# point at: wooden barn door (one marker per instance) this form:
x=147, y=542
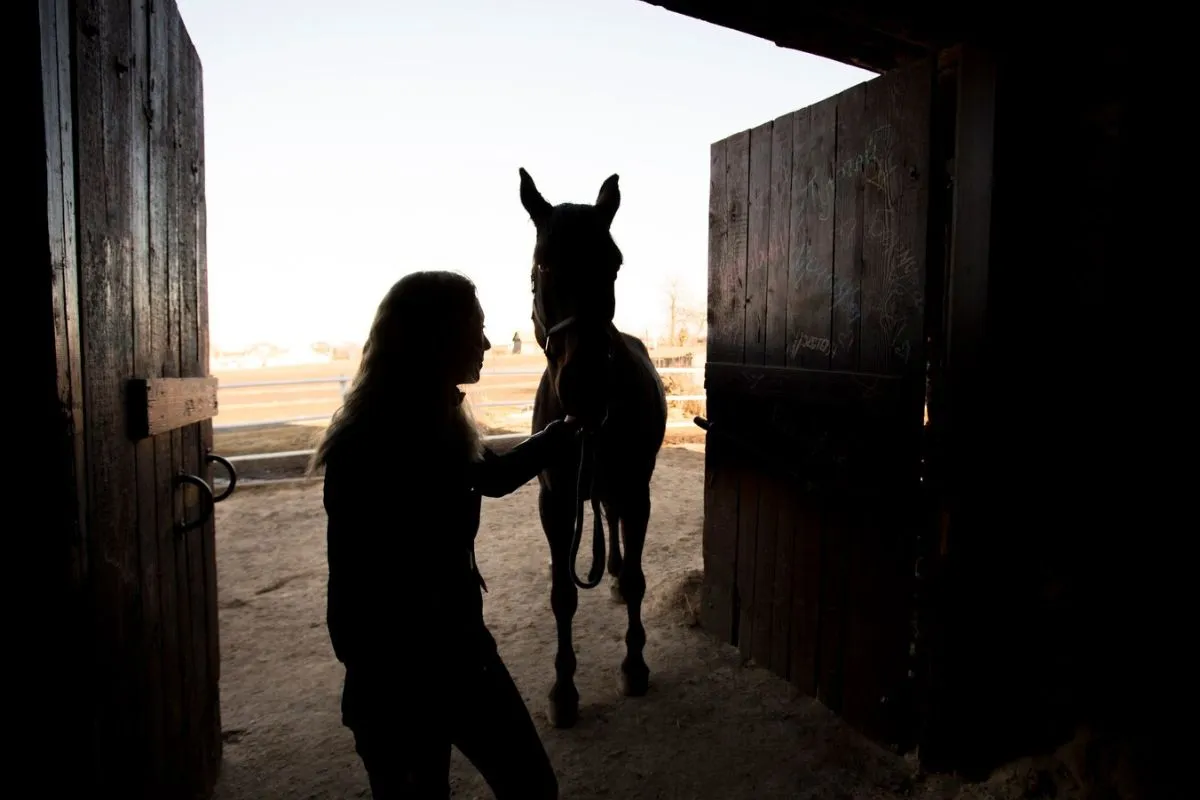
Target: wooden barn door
x=817, y=258
x=122, y=97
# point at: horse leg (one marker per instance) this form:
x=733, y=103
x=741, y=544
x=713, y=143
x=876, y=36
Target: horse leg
x=614, y=552
x=557, y=518
x=635, y=518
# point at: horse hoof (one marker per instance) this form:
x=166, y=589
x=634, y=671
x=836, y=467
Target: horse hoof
x=635, y=683
x=614, y=590
x=563, y=712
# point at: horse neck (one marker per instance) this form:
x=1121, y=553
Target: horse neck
x=616, y=342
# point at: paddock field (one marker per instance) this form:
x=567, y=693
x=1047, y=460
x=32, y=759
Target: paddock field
x=261, y=404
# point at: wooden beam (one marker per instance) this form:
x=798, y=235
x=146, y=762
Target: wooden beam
x=160, y=405
x=807, y=387
x=864, y=34
x=971, y=237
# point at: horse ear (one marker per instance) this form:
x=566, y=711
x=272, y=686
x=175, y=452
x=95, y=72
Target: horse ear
x=539, y=210
x=609, y=199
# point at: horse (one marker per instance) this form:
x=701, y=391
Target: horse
x=606, y=379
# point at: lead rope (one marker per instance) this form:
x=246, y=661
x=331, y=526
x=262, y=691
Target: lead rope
x=596, y=574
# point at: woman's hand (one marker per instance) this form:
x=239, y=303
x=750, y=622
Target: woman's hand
x=572, y=427
x=566, y=428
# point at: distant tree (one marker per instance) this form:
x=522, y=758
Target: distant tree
x=682, y=312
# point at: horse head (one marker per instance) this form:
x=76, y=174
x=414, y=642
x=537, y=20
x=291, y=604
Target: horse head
x=573, y=279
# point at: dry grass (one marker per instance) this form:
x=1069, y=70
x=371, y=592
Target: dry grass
x=277, y=439
x=262, y=403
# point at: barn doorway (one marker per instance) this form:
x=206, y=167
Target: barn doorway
x=706, y=686
x=272, y=573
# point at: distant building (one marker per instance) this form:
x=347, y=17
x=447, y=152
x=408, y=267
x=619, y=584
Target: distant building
x=346, y=352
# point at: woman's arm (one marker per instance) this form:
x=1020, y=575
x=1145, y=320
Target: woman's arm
x=497, y=476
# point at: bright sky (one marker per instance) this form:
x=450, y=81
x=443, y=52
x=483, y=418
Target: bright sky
x=348, y=144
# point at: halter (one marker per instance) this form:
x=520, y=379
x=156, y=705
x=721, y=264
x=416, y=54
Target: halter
x=584, y=478
x=561, y=326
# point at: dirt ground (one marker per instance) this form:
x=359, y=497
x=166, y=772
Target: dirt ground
x=711, y=726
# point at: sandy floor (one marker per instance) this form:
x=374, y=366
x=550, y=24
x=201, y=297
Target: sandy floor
x=710, y=727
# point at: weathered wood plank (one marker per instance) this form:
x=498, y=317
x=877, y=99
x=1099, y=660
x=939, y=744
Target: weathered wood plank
x=161, y=405
x=727, y=294
x=60, y=164
x=837, y=524
x=172, y=366
x=810, y=272
x=763, y=576
x=754, y=304
x=206, y=446
x=895, y=198
x=104, y=106
x=733, y=319
x=179, y=239
x=165, y=364
x=187, y=165
x=720, y=536
x=779, y=241
x=779, y=495
x=151, y=726
x=61, y=226
x=69, y=716
x=837, y=528
x=805, y=521
x=758, y=232
x=720, y=490
x=775, y=562
x=851, y=157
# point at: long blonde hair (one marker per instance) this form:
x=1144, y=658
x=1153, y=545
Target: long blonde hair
x=403, y=372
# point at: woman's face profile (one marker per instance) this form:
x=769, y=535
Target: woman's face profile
x=474, y=344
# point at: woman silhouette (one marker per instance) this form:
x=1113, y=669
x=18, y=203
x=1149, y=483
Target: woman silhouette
x=404, y=473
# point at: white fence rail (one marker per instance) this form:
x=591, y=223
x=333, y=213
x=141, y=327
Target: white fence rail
x=343, y=382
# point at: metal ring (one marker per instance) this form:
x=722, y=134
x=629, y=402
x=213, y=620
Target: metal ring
x=206, y=501
x=213, y=458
